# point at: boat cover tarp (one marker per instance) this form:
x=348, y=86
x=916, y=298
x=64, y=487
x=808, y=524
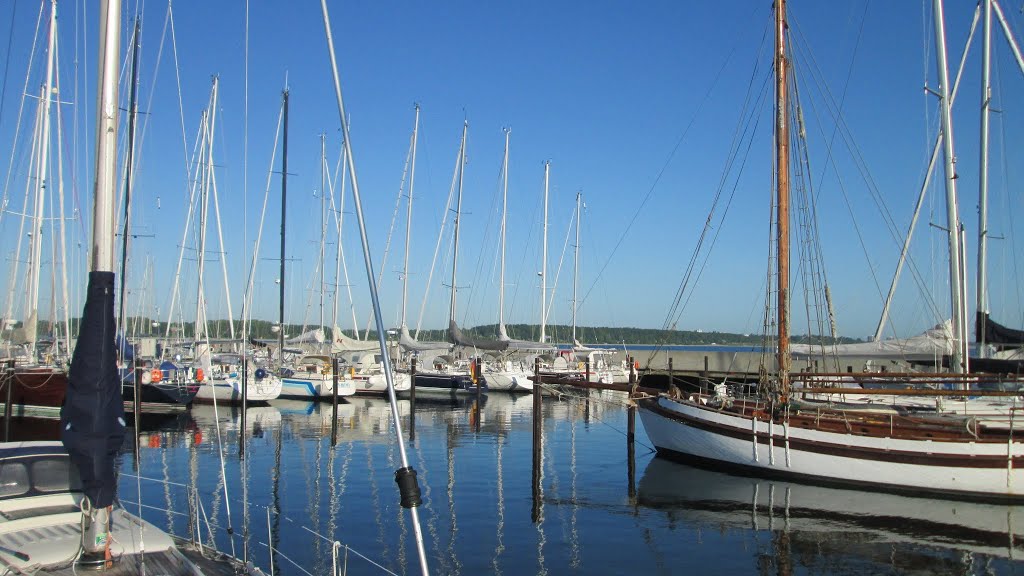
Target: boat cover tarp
x=456, y=336
x=342, y=343
x=410, y=344
x=92, y=418
x=934, y=342
x=995, y=333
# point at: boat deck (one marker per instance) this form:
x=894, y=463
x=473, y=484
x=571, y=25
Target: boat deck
x=170, y=562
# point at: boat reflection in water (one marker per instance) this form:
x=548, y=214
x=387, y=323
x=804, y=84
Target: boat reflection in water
x=829, y=526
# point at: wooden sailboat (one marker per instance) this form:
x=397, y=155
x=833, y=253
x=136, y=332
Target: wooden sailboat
x=38, y=378
x=781, y=432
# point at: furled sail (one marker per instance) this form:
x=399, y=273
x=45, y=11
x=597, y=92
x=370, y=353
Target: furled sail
x=521, y=345
x=315, y=336
x=456, y=336
x=92, y=418
x=410, y=344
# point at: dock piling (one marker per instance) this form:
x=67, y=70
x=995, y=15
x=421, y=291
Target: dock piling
x=538, y=430
x=412, y=399
x=334, y=402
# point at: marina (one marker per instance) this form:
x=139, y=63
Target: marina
x=478, y=501
x=179, y=396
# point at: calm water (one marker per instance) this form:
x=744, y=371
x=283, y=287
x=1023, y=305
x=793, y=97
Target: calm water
x=475, y=474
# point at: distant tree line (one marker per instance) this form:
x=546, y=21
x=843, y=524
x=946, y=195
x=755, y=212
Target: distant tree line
x=556, y=333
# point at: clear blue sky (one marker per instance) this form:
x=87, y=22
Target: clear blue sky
x=625, y=99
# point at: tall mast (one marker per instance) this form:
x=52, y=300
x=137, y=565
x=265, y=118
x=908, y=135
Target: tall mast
x=504, y=209
x=458, y=216
x=284, y=207
x=952, y=213
x=42, y=181
x=576, y=263
x=408, y=216
x=128, y=174
x=782, y=185
x=544, y=261
x=323, y=220
x=986, y=99
x=204, y=212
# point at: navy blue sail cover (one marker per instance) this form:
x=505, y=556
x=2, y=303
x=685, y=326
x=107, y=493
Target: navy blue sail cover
x=92, y=418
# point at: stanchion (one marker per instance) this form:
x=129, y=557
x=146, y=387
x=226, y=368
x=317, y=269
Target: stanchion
x=334, y=401
x=538, y=430
x=412, y=400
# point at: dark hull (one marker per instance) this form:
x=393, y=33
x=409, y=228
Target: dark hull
x=161, y=393
x=38, y=387
x=441, y=383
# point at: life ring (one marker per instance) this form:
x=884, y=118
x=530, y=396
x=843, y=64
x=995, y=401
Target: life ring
x=156, y=375
x=636, y=364
x=199, y=375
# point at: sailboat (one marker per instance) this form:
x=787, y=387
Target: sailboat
x=58, y=501
x=224, y=377
x=40, y=375
x=447, y=375
x=503, y=371
x=311, y=376
x=777, y=432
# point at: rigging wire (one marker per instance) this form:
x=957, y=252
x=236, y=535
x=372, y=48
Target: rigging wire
x=661, y=173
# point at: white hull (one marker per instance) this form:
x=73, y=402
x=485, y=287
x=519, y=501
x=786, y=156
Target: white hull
x=315, y=386
x=378, y=384
x=230, y=390
x=984, y=469
x=509, y=380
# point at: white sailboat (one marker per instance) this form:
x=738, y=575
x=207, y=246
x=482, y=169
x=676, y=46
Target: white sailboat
x=219, y=377
x=776, y=433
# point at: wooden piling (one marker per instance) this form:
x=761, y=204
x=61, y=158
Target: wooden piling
x=334, y=402
x=477, y=376
x=412, y=399
x=631, y=448
x=587, y=364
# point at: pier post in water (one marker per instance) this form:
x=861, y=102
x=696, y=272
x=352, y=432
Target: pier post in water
x=587, y=367
x=477, y=373
x=538, y=430
x=334, y=402
x=631, y=447
x=412, y=399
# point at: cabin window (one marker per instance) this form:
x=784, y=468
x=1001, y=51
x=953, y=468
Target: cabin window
x=54, y=475
x=13, y=479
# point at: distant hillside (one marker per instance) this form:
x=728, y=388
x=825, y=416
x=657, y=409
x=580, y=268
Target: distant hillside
x=558, y=333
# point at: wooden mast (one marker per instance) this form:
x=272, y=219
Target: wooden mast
x=782, y=191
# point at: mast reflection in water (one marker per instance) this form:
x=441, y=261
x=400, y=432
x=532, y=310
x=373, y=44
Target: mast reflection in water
x=474, y=465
